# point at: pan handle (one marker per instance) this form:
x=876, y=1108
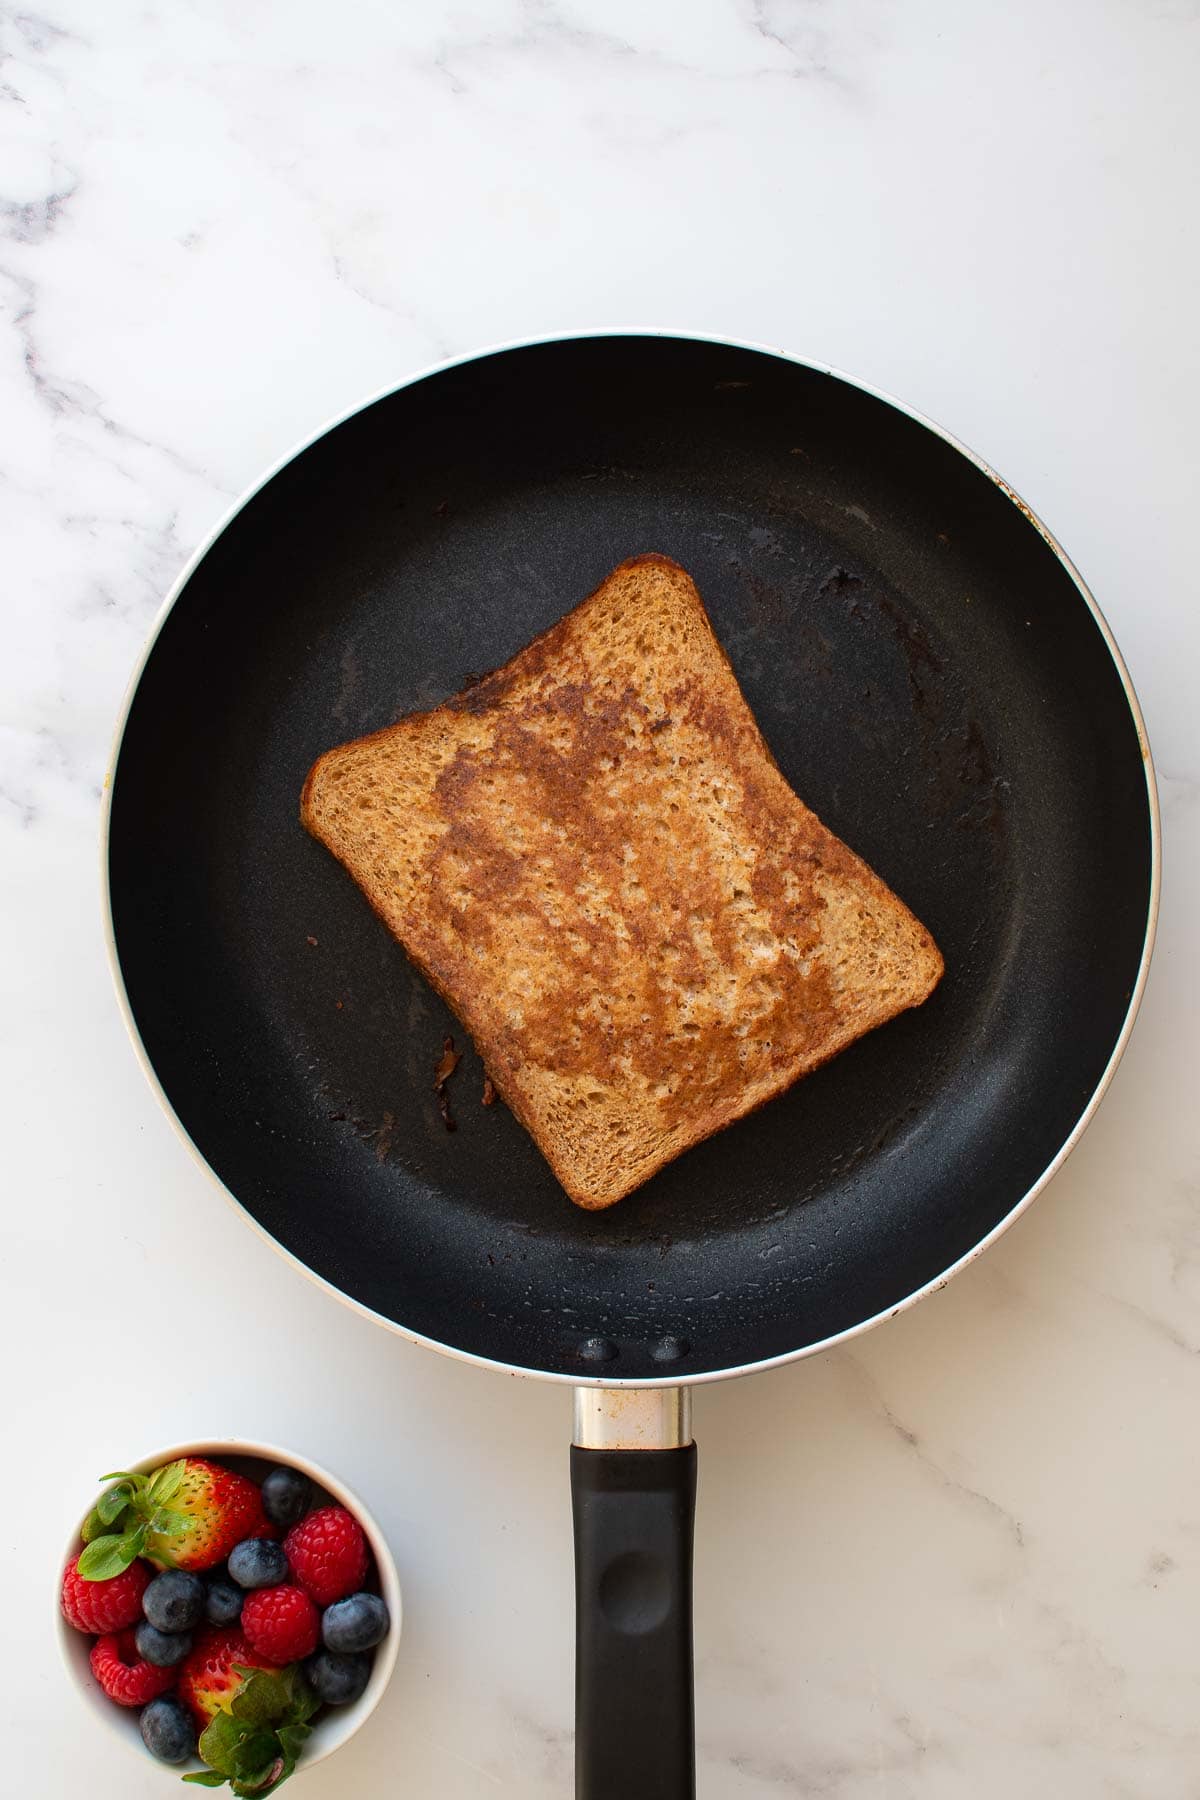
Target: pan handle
x=633, y=1491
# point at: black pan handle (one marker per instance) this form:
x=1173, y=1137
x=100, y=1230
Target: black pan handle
x=634, y=1510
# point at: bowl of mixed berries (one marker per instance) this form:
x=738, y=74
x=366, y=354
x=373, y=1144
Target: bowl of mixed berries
x=232, y=1609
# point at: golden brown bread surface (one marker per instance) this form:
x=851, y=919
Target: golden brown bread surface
x=593, y=857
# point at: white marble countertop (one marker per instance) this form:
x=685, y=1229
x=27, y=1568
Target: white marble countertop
x=961, y=1556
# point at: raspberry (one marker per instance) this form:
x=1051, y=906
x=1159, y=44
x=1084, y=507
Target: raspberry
x=103, y=1606
x=281, y=1623
x=123, y=1675
x=328, y=1554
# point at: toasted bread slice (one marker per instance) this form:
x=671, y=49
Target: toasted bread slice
x=593, y=857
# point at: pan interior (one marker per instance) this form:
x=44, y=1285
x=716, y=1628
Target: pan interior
x=932, y=683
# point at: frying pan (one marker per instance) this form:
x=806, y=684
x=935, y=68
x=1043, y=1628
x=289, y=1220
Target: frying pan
x=934, y=680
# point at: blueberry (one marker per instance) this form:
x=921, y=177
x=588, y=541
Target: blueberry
x=337, y=1680
x=167, y=1730
x=258, y=1562
x=174, y=1601
x=355, y=1624
x=223, y=1600
x=162, y=1648
x=286, y=1494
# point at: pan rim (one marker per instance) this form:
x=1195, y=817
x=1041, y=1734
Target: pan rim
x=936, y=1283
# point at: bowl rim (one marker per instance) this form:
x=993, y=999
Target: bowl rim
x=346, y=1720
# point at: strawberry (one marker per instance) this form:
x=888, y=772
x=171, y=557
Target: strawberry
x=282, y=1623
x=208, y=1679
x=253, y=1732
x=187, y=1515
x=123, y=1674
x=103, y=1606
x=328, y=1554
x=219, y=1510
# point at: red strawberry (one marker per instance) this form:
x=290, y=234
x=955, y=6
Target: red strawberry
x=328, y=1554
x=187, y=1515
x=282, y=1623
x=103, y=1605
x=123, y=1675
x=221, y=1509
x=208, y=1681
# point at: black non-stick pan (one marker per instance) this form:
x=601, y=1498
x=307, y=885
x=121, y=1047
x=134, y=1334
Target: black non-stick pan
x=935, y=682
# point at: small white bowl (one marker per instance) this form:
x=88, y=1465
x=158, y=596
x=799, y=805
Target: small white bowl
x=338, y=1723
